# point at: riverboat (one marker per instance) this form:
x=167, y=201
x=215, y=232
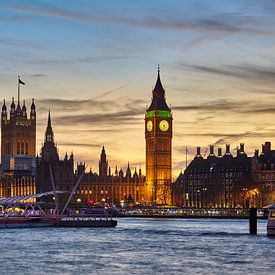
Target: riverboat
x=17, y=214
x=20, y=215
x=271, y=222
x=30, y=215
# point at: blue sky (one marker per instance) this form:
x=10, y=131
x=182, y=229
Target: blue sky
x=93, y=63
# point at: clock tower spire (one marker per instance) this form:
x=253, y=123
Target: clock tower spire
x=158, y=136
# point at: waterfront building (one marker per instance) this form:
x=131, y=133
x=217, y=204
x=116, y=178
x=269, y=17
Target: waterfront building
x=62, y=169
x=263, y=172
x=216, y=181
x=18, y=149
x=95, y=188
x=158, y=136
x=112, y=188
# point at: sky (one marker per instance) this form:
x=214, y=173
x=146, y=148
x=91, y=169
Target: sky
x=94, y=64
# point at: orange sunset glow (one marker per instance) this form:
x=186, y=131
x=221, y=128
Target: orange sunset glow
x=95, y=66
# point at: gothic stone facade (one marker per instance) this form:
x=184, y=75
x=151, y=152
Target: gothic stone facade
x=62, y=170
x=158, y=136
x=18, y=142
x=107, y=188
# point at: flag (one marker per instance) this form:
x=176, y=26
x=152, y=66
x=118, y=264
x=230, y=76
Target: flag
x=21, y=82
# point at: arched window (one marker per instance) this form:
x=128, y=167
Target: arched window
x=27, y=148
x=8, y=148
x=22, y=148
x=18, y=148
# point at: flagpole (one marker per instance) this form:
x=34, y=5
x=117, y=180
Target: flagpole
x=18, y=88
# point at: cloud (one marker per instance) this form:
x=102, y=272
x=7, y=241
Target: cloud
x=38, y=75
x=217, y=105
x=114, y=118
x=252, y=106
x=80, y=145
x=244, y=72
x=11, y=42
x=225, y=138
x=88, y=59
x=226, y=23
x=94, y=112
x=92, y=104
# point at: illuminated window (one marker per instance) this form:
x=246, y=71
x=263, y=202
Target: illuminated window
x=8, y=148
x=22, y=148
x=18, y=148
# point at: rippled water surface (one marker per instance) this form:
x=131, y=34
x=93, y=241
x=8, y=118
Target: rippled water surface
x=140, y=246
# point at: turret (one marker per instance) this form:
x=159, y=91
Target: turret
x=24, y=110
x=4, y=107
x=128, y=171
x=121, y=174
x=12, y=111
x=18, y=111
x=49, y=149
x=4, y=112
x=49, y=137
x=71, y=157
x=139, y=172
x=103, y=164
x=33, y=112
x=135, y=175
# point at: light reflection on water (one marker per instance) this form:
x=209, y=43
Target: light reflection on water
x=140, y=246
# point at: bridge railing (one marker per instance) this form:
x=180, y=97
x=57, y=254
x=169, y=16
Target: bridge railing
x=191, y=212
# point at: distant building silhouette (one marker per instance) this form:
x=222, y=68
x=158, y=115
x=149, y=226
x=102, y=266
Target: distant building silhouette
x=227, y=181
x=62, y=170
x=263, y=172
x=112, y=188
x=100, y=188
x=18, y=142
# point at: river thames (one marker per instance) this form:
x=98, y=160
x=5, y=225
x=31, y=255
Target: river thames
x=141, y=246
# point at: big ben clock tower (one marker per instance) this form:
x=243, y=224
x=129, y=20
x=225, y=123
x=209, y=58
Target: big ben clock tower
x=158, y=135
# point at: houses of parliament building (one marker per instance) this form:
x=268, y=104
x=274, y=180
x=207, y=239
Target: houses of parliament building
x=219, y=180
x=18, y=142
x=24, y=173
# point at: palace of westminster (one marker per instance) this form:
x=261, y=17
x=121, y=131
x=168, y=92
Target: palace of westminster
x=219, y=180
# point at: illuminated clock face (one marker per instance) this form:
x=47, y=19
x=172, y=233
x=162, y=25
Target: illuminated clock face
x=149, y=126
x=164, y=125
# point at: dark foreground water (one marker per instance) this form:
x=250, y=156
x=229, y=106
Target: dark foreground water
x=140, y=246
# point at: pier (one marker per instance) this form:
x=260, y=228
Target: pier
x=218, y=213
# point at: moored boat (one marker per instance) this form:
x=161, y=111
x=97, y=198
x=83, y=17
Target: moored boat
x=87, y=221
x=25, y=216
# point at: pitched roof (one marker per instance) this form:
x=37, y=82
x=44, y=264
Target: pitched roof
x=158, y=101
